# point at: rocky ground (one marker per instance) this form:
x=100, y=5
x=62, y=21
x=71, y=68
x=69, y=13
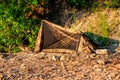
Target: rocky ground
x=59, y=66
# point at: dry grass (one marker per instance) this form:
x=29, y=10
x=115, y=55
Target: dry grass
x=105, y=23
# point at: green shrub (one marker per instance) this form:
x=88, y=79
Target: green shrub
x=15, y=29
x=94, y=4
x=113, y=4
x=79, y=3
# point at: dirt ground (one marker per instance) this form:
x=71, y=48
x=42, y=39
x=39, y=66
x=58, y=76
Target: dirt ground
x=59, y=66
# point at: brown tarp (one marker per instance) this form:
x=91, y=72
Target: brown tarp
x=54, y=38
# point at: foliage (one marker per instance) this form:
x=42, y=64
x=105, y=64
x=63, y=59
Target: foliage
x=113, y=4
x=80, y=3
x=15, y=29
x=94, y=4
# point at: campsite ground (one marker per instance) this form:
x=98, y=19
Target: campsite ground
x=28, y=65
x=60, y=66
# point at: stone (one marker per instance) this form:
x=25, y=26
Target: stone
x=40, y=55
x=101, y=62
x=92, y=56
x=98, y=69
x=55, y=57
x=1, y=76
x=101, y=51
x=117, y=66
x=62, y=65
x=0, y=57
x=62, y=58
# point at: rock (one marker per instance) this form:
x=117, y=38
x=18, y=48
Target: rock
x=1, y=76
x=98, y=69
x=97, y=66
x=22, y=66
x=101, y=51
x=117, y=66
x=0, y=57
x=62, y=58
x=101, y=62
x=92, y=56
x=40, y=55
x=55, y=57
x=67, y=57
x=62, y=65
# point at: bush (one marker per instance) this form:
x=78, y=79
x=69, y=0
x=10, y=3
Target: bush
x=90, y=4
x=15, y=29
x=113, y=4
x=78, y=3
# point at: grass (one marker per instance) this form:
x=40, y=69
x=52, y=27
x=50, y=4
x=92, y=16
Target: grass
x=103, y=26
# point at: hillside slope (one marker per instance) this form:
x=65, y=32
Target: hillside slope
x=102, y=26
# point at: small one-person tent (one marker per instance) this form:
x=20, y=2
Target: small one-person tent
x=54, y=38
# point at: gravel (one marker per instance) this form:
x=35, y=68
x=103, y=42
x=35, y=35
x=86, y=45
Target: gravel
x=59, y=66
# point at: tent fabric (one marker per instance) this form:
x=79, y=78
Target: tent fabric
x=54, y=38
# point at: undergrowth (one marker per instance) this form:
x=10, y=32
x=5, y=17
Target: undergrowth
x=94, y=4
x=15, y=29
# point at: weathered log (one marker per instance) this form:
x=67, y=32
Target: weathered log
x=39, y=40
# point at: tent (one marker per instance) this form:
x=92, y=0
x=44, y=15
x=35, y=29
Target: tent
x=54, y=38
